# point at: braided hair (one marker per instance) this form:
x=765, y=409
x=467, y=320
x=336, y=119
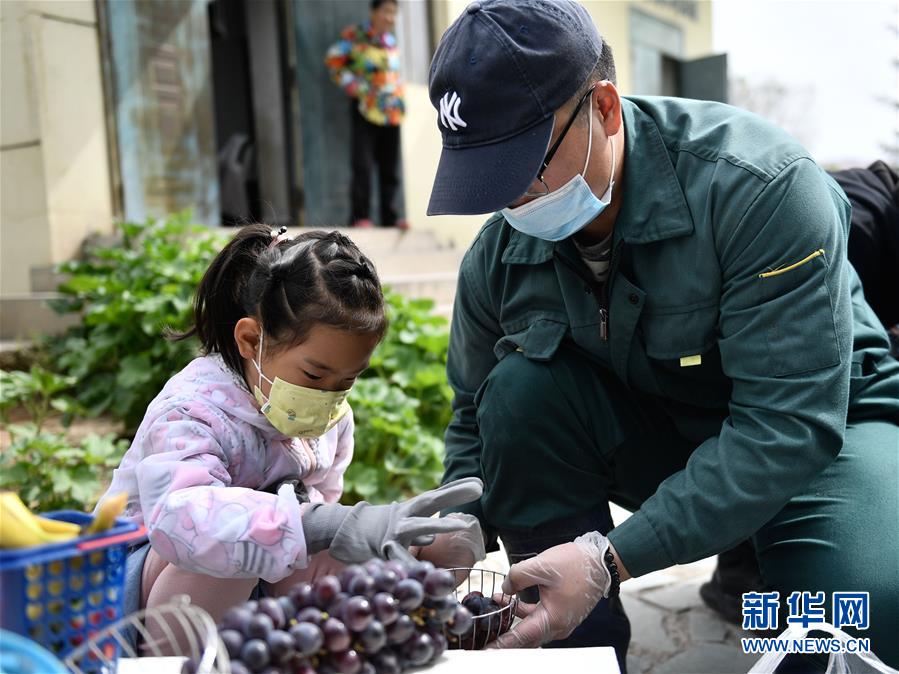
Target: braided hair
x=289, y=285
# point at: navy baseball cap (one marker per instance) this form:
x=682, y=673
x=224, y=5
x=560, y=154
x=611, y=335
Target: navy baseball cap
x=499, y=73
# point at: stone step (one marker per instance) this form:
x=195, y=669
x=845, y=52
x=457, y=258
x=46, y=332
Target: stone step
x=411, y=264
x=437, y=286
x=378, y=240
x=24, y=316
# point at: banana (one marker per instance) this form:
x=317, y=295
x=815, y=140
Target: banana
x=20, y=528
x=110, y=508
x=57, y=526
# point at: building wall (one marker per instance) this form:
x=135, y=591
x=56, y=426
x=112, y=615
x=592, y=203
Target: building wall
x=421, y=139
x=54, y=165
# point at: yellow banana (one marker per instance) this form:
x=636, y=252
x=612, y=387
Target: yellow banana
x=20, y=528
x=110, y=508
x=57, y=526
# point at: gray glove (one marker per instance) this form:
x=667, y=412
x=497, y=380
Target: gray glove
x=354, y=534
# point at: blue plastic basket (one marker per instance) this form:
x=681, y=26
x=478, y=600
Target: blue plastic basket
x=60, y=595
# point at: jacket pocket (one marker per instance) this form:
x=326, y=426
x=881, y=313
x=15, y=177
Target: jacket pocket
x=679, y=335
x=539, y=341
x=799, y=324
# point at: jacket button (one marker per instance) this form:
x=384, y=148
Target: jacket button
x=633, y=299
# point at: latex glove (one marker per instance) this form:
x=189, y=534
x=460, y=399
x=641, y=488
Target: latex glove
x=462, y=548
x=572, y=578
x=354, y=534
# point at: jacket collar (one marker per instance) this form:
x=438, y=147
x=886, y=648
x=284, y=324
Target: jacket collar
x=654, y=206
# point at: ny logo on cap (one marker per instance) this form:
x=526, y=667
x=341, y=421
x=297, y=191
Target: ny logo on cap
x=449, y=111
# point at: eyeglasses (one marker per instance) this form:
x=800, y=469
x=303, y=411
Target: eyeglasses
x=555, y=146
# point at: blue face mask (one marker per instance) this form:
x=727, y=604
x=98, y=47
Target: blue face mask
x=565, y=211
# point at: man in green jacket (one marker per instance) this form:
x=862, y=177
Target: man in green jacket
x=662, y=315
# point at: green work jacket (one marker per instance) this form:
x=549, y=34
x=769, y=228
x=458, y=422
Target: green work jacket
x=730, y=300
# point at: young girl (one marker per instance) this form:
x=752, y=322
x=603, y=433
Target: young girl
x=238, y=465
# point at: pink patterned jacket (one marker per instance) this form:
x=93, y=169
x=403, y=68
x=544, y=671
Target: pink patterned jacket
x=199, y=467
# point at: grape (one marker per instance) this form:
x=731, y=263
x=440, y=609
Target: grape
x=357, y=613
x=373, y=566
x=364, y=585
x=373, y=638
x=409, y=594
x=397, y=567
x=476, y=603
x=273, y=610
x=259, y=627
x=188, y=667
x=233, y=641
x=251, y=605
x=307, y=638
x=386, y=607
x=254, y=654
x=303, y=595
x=280, y=645
x=325, y=589
x=386, y=662
x=441, y=609
x=419, y=570
x=237, y=667
x=368, y=668
x=237, y=618
x=385, y=580
x=337, y=636
x=461, y=621
x=419, y=649
x=347, y=662
x=287, y=605
x=311, y=614
x=335, y=608
x=439, y=583
x=440, y=644
x=401, y=630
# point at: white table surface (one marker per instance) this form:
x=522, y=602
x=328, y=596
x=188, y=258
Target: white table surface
x=536, y=661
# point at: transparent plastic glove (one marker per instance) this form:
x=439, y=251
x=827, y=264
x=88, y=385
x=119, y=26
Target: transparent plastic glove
x=354, y=534
x=572, y=578
x=462, y=548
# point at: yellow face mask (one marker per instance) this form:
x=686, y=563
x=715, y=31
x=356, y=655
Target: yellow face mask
x=298, y=411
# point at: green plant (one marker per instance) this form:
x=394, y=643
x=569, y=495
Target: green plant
x=44, y=468
x=401, y=407
x=128, y=294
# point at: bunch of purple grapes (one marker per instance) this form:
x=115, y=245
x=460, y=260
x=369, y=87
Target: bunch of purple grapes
x=380, y=618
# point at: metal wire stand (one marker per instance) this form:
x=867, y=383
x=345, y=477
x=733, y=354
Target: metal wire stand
x=488, y=583
x=187, y=631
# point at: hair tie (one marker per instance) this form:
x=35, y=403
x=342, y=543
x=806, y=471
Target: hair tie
x=279, y=236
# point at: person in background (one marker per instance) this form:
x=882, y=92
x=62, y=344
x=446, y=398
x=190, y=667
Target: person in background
x=365, y=63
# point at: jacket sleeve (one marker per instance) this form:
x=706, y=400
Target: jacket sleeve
x=474, y=333
x=339, y=60
x=198, y=521
x=785, y=337
x=330, y=488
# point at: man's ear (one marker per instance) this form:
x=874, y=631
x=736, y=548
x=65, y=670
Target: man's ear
x=607, y=101
x=246, y=333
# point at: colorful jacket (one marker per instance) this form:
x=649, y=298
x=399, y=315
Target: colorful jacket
x=203, y=473
x=366, y=65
